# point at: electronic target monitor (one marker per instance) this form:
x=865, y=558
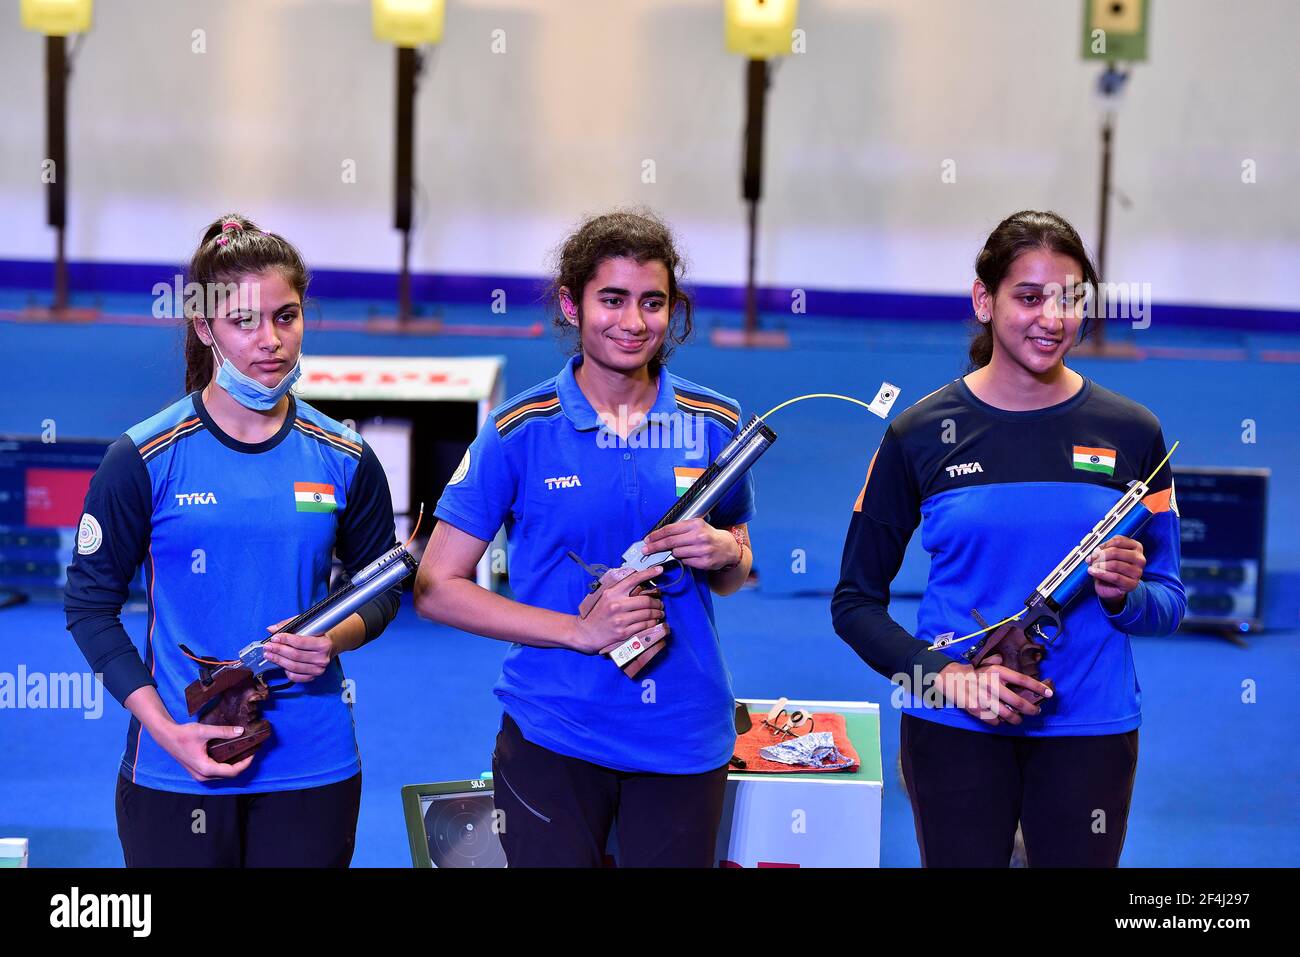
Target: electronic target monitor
x=1223, y=515
x=42, y=491
x=453, y=824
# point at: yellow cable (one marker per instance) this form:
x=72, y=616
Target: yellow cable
x=846, y=398
x=1167, y=457
x=815, y=395
x=975, y=634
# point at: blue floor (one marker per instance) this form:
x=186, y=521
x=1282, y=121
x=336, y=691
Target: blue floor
x=1218, y=778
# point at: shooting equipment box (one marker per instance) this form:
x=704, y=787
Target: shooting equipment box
x=816, y=819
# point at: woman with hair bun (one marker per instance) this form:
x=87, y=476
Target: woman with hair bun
x=233, y=499
x=1010, y=466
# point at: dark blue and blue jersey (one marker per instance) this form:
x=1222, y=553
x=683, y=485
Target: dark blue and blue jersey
x=1004, y=497
x=233, y=537
x=547, y=469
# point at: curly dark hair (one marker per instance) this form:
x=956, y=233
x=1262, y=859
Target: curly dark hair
x=233, y=246
x=636, y=234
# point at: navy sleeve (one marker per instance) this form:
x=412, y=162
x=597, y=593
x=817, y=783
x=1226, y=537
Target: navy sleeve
x=112, y=543
x=884, y=518
x=1156, y=607
x=366, y=532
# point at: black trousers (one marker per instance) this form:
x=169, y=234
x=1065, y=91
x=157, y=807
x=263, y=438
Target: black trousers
x=1070, y=795
x=310, y=827
x=559, y=810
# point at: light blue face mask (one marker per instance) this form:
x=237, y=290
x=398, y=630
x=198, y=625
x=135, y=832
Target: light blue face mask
x=247, y=391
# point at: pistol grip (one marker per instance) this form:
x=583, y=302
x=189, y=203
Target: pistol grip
x=238, y=695
x=609, y=578
x=634, y=654
x=234, y=750
x=1019, y=652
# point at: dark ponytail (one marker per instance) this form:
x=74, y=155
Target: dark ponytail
x=231, y=247
x=1017, y=234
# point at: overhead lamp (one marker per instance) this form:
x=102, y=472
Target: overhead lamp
x=760, y=29
x=408, y=23
x=757, y=30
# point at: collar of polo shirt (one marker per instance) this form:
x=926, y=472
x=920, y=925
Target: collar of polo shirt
x=581, y=412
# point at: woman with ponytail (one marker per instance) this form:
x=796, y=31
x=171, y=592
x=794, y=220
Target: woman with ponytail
x=1010, y=466
x=234, y=500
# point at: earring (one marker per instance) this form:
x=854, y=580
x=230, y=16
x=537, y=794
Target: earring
x=984, y=319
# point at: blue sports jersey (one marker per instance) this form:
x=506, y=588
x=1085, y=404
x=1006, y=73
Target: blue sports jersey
x=547, y=469
x=233, y=537
x=1004, y=496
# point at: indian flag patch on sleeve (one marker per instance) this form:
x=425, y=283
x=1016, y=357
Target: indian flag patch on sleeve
x=1094, y=460
x=314, y=497
x=685, y=478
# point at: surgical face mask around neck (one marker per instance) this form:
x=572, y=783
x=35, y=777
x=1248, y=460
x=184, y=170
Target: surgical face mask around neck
x=246, y=390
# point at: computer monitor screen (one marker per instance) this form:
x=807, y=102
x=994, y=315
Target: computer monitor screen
x=42, y=491
x=1222, y=515
x=453, y=824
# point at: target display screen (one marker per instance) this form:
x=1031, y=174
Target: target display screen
x=1223, y=521
x=460, y=832
x=42, y=490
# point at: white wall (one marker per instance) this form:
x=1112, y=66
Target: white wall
x=514, y=147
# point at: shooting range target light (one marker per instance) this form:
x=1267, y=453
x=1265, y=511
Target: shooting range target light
x=408, y=23
x=1115, y=30
x=760, y=29
x=57, y=18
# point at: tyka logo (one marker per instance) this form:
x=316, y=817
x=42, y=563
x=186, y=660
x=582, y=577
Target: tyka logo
x=564, y=481
x=966, y=468
x=196, y=498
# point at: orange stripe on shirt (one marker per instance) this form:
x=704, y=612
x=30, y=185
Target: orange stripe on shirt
x=1158, y=502
x=166, y=435
x=555, y=400
x=857, y=506
x=701, y=404
x=337, y=438
x=153, y=669
x=1085, y=450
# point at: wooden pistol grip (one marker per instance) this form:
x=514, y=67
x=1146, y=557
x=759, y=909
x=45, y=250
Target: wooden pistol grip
x=1020, y=653
x=654, y=640
x=198, y=694
x=638, y=651
x=610, y=577
x=234, y=750
x=238, y=705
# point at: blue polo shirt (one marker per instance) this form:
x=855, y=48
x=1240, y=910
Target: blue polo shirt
x=548, y=469
x=233, y=536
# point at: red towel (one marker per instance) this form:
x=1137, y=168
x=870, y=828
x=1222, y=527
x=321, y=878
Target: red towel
x=761, y=736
